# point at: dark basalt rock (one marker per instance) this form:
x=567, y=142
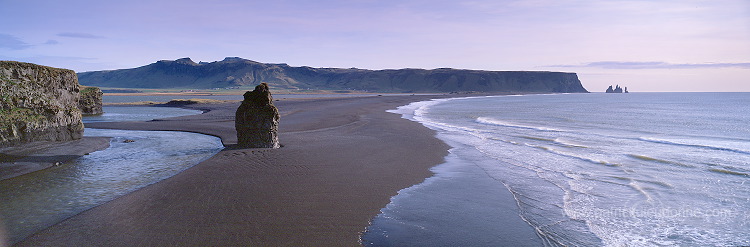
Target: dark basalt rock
x=90, y=101
x=38, y=103
x=617, y=89
x=257, y=120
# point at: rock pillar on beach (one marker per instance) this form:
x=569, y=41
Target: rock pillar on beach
x=257, y=120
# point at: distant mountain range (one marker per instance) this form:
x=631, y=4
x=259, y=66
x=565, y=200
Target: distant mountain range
x=234, y=72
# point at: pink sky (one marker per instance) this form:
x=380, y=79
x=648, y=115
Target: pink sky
x=663, y=45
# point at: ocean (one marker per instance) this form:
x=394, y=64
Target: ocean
x=638, y=169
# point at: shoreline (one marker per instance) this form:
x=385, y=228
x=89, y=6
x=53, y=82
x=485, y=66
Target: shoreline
x=337, y=169
x=457, y=184
x=34, y=156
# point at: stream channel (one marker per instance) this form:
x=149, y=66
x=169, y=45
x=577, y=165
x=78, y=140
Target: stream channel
x=32, y=202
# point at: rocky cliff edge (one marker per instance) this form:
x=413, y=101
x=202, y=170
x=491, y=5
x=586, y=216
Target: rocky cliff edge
x=38, y=103
x=237, y=72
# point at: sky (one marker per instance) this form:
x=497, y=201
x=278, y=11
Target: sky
x=646, y=45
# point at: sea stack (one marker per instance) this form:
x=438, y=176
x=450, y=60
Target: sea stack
x=257, y=120
x=617, y=89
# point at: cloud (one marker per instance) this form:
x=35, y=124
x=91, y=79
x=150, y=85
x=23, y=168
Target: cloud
x=654, y=65
x=79, y=35
x=51, y=42
x=11, y=42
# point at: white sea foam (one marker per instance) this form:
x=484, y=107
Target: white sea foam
x=492, y=121
x=742, y=147
x=638, y=176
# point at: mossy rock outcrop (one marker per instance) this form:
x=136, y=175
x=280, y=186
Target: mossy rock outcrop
x=38, y=103
x=90, y=101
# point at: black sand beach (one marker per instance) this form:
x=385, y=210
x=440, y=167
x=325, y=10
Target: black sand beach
x=31, y=157
x=342, y=160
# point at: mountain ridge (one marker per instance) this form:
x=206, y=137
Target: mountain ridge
x=235, y=71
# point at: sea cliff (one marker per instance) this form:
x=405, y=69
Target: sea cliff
x=38, y=103
x=238, y=72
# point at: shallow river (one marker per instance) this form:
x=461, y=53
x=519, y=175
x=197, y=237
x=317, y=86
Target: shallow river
x=135, y=159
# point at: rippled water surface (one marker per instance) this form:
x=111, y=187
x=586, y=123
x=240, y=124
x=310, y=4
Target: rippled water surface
x=639, y=169
x=35, y=201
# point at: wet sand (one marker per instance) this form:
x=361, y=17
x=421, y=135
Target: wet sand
x=341, y=161
x=30, y=157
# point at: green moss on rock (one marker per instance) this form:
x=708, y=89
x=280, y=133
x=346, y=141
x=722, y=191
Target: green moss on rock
x=90, y=101
x=38, y=103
